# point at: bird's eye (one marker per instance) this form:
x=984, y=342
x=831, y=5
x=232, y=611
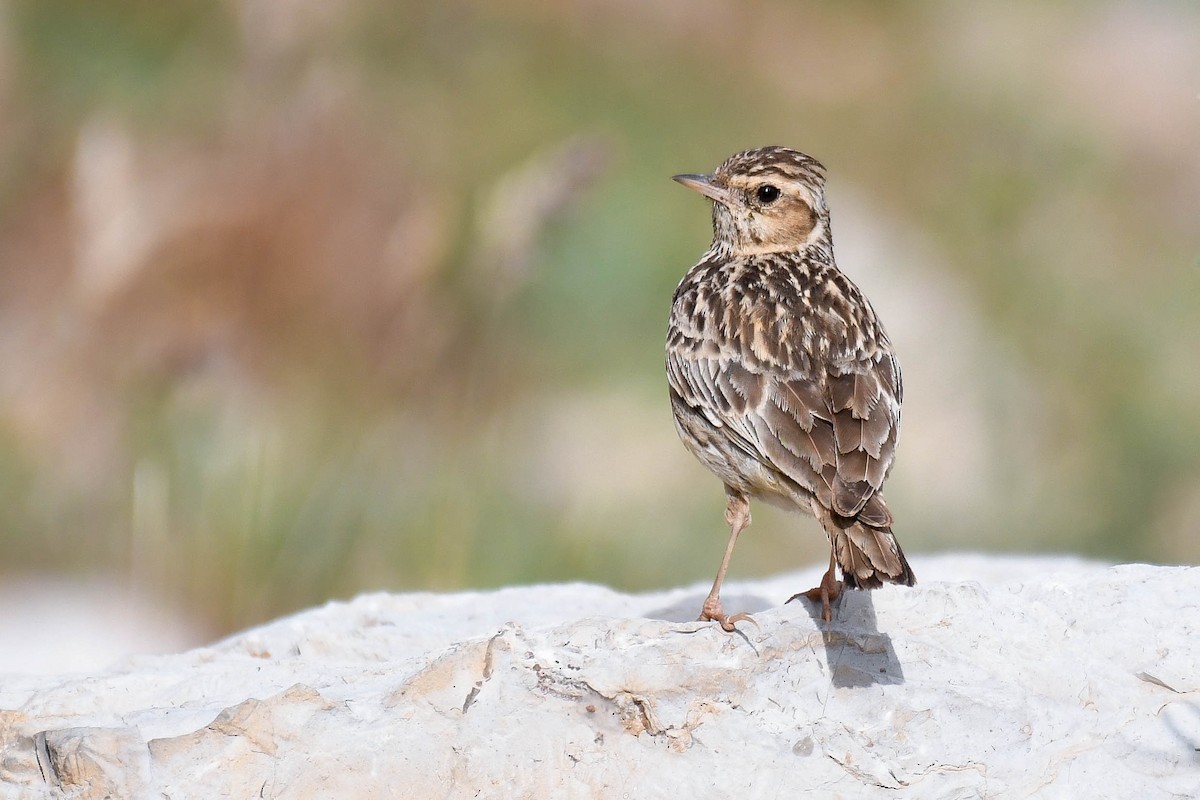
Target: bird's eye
x=767, y=194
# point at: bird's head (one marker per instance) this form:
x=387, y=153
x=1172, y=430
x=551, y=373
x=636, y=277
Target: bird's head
x=767, y=200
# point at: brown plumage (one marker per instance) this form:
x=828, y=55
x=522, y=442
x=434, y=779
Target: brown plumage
x=783, y=381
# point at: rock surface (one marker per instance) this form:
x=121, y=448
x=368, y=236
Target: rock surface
x=994, y=677
x=50, y=623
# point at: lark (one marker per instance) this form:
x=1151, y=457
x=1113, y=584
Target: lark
x=783, y=381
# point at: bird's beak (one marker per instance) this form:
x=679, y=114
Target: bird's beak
x=705, y=186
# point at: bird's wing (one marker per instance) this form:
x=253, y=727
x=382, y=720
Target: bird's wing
x=864, y=396
x=715, y=387
x=785, y=424
x=834, y=432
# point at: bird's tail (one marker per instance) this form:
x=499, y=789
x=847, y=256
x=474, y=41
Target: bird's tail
x=869, y=555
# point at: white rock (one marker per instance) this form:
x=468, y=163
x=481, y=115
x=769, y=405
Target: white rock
x=52, y=623
x=995, y=677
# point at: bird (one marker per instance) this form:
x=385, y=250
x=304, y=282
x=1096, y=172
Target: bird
x=783, y=381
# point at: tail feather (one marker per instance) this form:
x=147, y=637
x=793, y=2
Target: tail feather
x=869, y=556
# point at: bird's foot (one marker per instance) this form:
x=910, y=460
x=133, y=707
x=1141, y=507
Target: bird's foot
x=828, y=591
x=712, y=611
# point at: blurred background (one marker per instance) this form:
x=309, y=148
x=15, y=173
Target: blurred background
x=305, y=298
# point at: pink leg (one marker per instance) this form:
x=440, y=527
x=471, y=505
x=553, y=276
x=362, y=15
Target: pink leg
x=737, y=514
x=829, y=589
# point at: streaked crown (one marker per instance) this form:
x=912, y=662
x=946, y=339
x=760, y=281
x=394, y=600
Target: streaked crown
x=774, y=161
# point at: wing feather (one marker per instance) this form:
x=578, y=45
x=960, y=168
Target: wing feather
x=795, y=426
x=866, y=418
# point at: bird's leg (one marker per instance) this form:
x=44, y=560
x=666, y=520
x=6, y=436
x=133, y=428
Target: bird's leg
x=737, y=514
x=828, y=590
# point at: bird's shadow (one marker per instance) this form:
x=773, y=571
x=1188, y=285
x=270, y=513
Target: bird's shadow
x=1183, y=722
x=857, y=654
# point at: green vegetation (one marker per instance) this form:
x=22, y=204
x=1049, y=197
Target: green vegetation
x=267, y=335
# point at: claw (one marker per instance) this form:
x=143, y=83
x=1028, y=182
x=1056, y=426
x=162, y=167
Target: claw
x=712, y=611
x=830, y=589
x=730, y=623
